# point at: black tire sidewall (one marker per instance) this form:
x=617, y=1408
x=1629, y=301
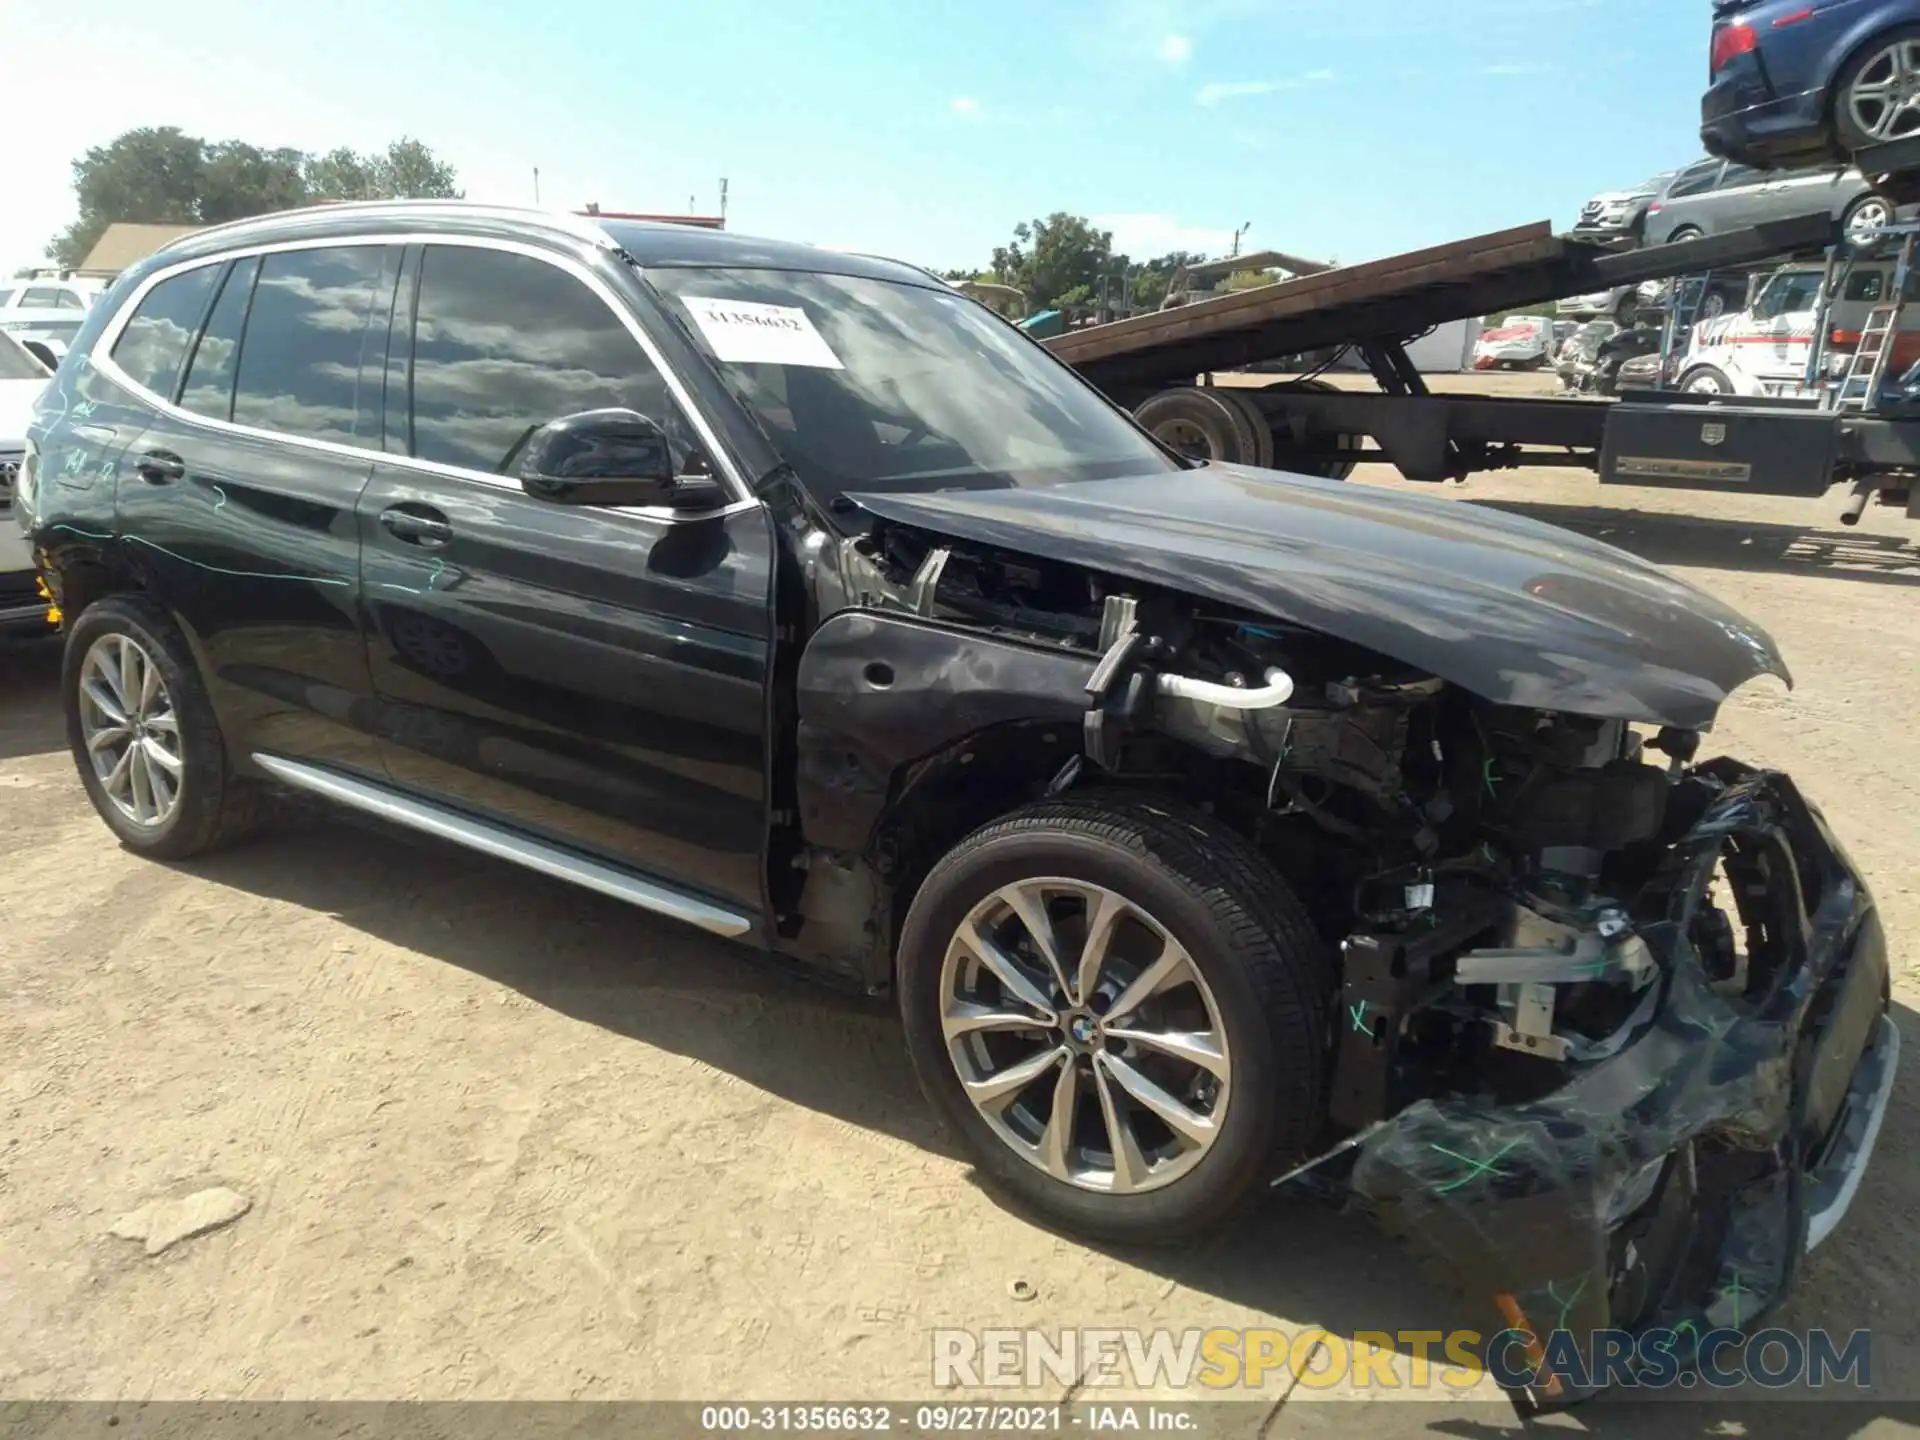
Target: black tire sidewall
x=203, y=766
x=1726, y=384
x=1219, y=1181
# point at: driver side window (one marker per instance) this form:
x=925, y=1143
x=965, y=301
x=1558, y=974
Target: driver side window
x=504, y=343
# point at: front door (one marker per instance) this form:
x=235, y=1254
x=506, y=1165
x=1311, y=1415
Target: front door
x=239, y=497
x=594, y=676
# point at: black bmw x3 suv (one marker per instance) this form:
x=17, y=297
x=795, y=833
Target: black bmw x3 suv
x=1213, y=827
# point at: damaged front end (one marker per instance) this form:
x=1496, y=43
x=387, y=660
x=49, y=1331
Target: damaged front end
x=1607, y=1045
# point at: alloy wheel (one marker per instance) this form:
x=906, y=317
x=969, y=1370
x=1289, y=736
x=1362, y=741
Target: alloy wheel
x=1866, y=222
x=1884, y=99
x=131, y=730
x=1085, y=1035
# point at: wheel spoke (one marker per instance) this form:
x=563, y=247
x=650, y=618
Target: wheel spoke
x=116, y=780
x=1030, y=904
x=140, y=774
x=1194, y=1126
x=1172, y=962
x=1101, y=923
x=964, y=1018
x=1195, y=1047
x=1056, y=1145
x=1000, y=1089
x=162, y=782
x=1012, y=978
x=127, y=685
x=157, y=753
x=1129, y=1165
x=149, y=683
x=164, y=722
x=107, y=735
x=100, y=693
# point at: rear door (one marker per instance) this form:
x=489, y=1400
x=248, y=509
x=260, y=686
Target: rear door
x=238, y=500
x=596, y=677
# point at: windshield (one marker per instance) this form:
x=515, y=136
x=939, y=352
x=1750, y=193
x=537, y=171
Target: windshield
x=18, y=364
x=875, y=385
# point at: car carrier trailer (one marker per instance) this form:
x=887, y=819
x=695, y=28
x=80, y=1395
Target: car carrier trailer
x=1160, y=366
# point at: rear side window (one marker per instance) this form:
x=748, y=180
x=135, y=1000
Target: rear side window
x=209, y=387
x=317, y=324
x=1695, y=180
x=154, y=344
x=1736, y=176
x=504, y=343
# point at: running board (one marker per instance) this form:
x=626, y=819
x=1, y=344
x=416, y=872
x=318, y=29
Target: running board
x=507, y=845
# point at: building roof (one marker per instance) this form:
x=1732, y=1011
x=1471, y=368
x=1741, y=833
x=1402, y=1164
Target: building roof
x=125, y=242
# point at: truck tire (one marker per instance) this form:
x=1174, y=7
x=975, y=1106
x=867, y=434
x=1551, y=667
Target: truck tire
x=1286, y=455
x=1203, y=424
x=144, y=737
x=1705, y=380
x=1196, y=1025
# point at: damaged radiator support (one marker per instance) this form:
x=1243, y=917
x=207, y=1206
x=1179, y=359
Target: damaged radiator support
x=1386, y=977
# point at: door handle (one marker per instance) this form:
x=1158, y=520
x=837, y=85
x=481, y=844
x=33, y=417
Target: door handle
x=423, y=527
x=160, y=467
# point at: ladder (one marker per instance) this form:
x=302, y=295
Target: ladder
x=1689, y=294
x=1866, y=371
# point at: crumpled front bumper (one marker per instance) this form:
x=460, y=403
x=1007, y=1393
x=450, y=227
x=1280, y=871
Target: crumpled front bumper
x=1674, y=1184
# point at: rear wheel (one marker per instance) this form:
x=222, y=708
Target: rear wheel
x=1866, y=219
x=144, y=736
x=1288, y=456
x=1207, y=424
x=1683, y=235
x=1123, y=1011
x=1877, y=97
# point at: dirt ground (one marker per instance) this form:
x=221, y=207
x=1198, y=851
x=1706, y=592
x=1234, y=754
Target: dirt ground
x=505, y=1139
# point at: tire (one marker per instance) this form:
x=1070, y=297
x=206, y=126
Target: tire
x=1854, y=116
x=1705, y=380
x=1263, y=975
x=1201, y=424
x=211, y=806
x=1864, y=221
x=1683, y=235
x=1325, y=469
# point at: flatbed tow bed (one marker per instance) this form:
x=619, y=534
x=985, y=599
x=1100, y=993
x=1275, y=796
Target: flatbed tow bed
x=1150, y=364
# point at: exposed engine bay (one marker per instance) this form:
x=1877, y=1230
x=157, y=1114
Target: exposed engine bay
x=1579, y=972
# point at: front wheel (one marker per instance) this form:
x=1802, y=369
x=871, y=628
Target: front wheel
x=1122, y=1009
x=1706, y=380
x=1866, y=221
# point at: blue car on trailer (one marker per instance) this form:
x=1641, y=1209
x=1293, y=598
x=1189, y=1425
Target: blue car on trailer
x=1793, y=81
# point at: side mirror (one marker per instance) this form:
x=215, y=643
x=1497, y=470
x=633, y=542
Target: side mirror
x=609, y=457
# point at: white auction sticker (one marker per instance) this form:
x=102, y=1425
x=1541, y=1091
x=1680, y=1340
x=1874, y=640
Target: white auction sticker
x=743, y=332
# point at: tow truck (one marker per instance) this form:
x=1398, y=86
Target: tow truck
x=1853, y=424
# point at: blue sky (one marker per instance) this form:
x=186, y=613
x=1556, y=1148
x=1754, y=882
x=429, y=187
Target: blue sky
x=1338, y=128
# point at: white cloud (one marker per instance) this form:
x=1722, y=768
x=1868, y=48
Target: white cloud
x=1318, y=75
x=1218, y=90
x=1175, y=49
x=1524, y=67
x=965, y=106
x=1145, y=235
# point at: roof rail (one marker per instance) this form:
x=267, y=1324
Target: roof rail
x=578, y=226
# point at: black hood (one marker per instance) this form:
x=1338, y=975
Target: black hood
x=1518, y=612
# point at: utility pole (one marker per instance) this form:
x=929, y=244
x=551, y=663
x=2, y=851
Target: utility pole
x=536, y=185
x=1234, y=254
x=723, y=201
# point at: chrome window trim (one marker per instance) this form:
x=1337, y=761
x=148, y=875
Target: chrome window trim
x=101, y=355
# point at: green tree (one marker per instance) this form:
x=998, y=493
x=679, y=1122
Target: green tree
x=162, y=175
x=152, y=174
x=1152, y=277
x=1057, y=262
